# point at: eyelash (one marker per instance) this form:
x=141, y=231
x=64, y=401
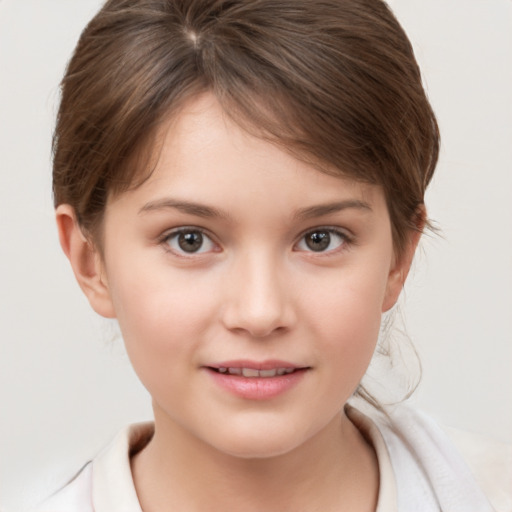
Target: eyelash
x=169, y=236
x=165, y=240
x=345, y=240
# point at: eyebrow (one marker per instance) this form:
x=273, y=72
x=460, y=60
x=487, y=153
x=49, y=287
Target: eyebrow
x=326, y=209
x=199, y=210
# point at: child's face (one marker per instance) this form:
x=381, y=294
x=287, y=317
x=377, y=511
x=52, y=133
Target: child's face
x=236, y=255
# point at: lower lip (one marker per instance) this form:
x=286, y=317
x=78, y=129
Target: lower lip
x=257, y=388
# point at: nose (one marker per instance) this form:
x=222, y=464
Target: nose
x=258, y=300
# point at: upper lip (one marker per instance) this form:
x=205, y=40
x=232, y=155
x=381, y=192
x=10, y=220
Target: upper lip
x=273, y=364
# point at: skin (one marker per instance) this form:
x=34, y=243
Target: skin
x=253, y=290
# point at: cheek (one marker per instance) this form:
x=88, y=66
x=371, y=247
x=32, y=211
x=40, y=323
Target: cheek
x=346, y=312
x=160, y=314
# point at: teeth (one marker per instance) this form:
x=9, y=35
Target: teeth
x=249, y=372
x=252, y=373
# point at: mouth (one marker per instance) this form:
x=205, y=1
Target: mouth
x=253, y=373
x=257, y=380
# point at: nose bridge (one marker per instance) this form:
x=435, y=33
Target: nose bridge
x=258, y=301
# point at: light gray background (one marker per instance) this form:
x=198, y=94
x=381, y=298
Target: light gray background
x=65, y=383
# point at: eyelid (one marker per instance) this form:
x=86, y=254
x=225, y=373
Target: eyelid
x=170, y=233
x=348, y=239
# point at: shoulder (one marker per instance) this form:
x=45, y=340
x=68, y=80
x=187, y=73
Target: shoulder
x=490, y=463
x=462, y=470
x=105, y=484
x=76, y=496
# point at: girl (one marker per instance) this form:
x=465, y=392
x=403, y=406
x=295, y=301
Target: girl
x=241, y=185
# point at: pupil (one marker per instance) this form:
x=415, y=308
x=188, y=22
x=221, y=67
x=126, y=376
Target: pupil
x=318, y=241
x=190, y=242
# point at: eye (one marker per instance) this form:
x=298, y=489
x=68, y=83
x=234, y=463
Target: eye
x=322, y=240
x=189, y=241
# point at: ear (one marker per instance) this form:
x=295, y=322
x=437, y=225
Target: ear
x=85, y=260
x=401, y=266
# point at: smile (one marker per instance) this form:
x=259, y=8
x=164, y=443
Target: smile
x=251, y=380
x=253, y=373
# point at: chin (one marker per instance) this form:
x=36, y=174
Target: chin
x=260, y=442
x=259, y=449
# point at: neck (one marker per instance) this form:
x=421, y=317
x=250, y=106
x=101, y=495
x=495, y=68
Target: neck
x=334, y=470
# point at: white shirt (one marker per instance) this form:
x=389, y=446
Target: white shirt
x=421, y=470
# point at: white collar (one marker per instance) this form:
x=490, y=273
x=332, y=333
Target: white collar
x=419, y=469
x=114, y=489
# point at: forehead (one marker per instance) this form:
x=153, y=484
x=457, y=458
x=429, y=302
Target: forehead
x=203, y=147
x=202, y=157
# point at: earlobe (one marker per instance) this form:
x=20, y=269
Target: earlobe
x=400, y=270
x=396, y=280
x=85, y=260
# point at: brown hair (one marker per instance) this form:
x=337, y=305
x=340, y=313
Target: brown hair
x=334, y=81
